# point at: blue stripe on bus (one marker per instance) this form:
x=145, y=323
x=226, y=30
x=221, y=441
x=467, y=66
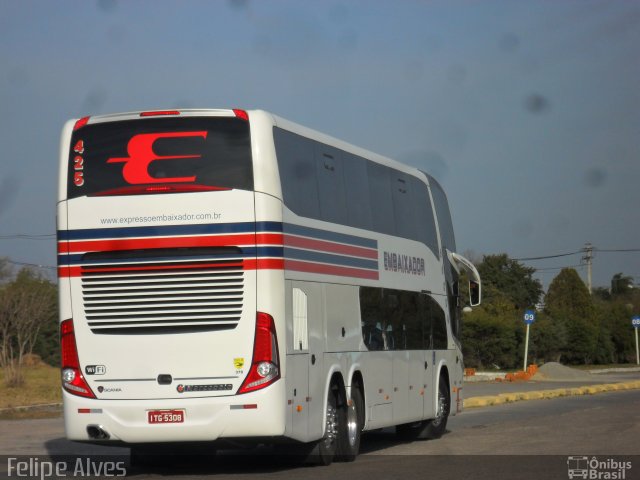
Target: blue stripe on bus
x=293, y=229
x=218, y=228
x=164, y=231
x=319, y=257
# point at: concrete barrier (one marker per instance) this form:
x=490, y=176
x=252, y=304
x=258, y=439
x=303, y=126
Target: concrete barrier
x=489, y=400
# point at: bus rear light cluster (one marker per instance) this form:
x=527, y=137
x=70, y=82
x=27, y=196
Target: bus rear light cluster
x=265, y=365
x=241, y=114
x=81, y=123
x=72, y=379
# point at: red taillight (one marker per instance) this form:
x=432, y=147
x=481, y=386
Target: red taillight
x=265, y=365
x=159, y=113
x=80, y=123
x=241, y=114
x=72, y=379
x=174, y=188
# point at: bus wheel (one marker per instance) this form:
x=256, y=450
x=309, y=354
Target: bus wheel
x=350, y=427
x=325, y=449
x=434, y=428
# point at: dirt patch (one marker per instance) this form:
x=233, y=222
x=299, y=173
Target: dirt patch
x=554, y=371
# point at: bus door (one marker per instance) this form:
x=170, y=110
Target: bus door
x=428, y=310
x=305, y=362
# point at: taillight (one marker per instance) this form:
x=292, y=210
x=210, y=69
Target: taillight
x=265, y=365
x=241, y=114
x=159, y=113
x=72, y=379
x=81, y=123
x=168, y=188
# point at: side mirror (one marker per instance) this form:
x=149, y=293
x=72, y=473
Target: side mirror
x=461, y=263
x=474, y=293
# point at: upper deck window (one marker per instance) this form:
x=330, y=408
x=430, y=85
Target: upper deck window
x=160, y=154
x=325, y=183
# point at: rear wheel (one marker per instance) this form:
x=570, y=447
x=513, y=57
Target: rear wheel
x=434, y=428
x=350, y=427
x=325, y=449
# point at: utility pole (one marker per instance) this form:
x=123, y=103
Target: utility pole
x=588, y=258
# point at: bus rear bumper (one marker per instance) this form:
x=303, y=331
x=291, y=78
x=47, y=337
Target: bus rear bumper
x=257, y=414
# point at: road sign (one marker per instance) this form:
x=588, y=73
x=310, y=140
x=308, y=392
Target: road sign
x=530, y=317
x=635, y=321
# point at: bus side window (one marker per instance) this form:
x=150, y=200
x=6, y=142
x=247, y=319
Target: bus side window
x=300, y=336
x=331, y=191
x=371, y=317
x=297, y=172
x=357, y=187
x=439, y=326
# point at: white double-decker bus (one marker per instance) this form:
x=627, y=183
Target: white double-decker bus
x=231, y=275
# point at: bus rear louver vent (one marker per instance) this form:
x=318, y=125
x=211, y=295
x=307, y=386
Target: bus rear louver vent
x=184, y=294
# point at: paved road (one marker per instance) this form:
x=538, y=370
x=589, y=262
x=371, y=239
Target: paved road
x=522, y=440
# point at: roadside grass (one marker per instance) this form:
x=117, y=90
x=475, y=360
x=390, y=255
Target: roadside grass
x=41, y=386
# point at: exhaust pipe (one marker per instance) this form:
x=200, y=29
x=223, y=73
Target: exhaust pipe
x=96, y=432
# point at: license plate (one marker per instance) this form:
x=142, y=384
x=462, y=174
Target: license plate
x=165, y=416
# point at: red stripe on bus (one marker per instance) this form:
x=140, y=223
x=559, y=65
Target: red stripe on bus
x=264, y=264
x=248, y=264
x=324, y=246
x=150, y=268
x=299, y=266
x=171, y=242
x=66, y=272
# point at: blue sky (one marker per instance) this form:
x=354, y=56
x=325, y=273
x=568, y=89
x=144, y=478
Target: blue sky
x=528, y=112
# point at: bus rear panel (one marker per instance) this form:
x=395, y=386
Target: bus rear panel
x=158, y=250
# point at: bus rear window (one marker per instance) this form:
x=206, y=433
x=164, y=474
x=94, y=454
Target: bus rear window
x=157, y=155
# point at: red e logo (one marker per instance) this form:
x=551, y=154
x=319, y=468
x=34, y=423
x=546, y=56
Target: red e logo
x=141, y=154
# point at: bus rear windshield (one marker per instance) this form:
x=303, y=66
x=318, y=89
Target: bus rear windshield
x=159, y=155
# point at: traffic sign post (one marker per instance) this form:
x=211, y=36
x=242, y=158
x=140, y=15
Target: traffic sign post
x=635, y=322
x=529, y=318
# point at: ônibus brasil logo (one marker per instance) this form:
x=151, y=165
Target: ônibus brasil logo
x=597, y=469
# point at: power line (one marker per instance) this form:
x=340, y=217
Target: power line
x=594, y=249
x=617, y=250
x=26, y=236
x=27, y=264
x=547, y=256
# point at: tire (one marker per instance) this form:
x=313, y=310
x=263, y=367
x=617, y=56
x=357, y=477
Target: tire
x=324, y=450
x=350, y=427
x=434, y=428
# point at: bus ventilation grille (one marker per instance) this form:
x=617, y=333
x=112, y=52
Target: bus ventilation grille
x=163, y=297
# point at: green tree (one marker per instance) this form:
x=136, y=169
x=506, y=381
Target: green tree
x=605, y=349
x=621, y=284
x=546, y=341
x=5, y=270
x=570, y=306
x=26, y=304
x=514, y=280
x=618, y=315
x=492, y=335
x=488, y=340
